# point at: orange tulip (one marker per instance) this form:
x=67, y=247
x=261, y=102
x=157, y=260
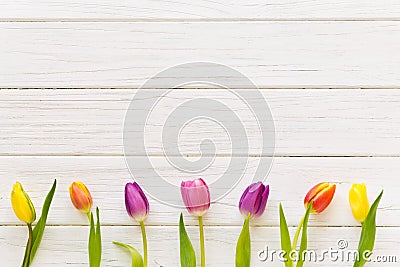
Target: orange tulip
x=320, y=196
x=80, y=197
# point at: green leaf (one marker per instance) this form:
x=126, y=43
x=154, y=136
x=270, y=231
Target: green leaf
x=95, y=247
x=303, y=242
x=286, y=244
x=91, y=246
x=38, y=230
x=188, y=256
x=243, y=246
x=368, y=233
x=97, y=243
x=137, y=260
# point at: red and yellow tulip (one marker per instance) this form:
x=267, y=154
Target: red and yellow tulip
x=320, y=196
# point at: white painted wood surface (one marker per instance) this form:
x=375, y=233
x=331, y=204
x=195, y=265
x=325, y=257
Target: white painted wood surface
x=164, y=246
x=331, y=131
x=307, y=122
x=271, y=53
x=202, y=10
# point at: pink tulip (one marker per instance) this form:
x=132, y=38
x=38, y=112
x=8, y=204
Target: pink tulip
x=196, y=196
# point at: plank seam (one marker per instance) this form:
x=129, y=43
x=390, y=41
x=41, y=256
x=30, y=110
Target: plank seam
x=205, y=225
x=211, y=20
x=197, y=155
x=299, y=87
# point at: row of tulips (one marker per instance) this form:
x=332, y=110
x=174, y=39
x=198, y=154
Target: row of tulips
x=196, y=196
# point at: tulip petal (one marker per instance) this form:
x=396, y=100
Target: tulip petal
x=254, y=200
x=359, y=201
x=243, y=197
x=22, y=204
x=251, y=199
x=313, y=192
x=136, y=203
x=196, y=196
x=143, y=197
x=80, y=197
x=258, y=198
x=263, y=202
x=323, y=199
x=321, y=196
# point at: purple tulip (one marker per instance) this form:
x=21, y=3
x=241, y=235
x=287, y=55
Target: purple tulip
x=254, y=199
x=136, y=202
x=196, y=196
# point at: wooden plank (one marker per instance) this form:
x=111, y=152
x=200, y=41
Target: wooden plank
x=307, y=122
x=67, y=246
x=272, y=54
x=220, y=9
x=106, y=178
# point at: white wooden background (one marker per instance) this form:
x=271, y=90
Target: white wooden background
x=68, y=69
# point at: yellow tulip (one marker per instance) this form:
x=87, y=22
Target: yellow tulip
x=359, y=202
x=22, y=204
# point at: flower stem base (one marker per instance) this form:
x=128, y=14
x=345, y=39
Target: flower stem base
x=202, y=246
x=144, y=237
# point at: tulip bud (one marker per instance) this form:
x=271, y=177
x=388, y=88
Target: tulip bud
x=22, y=204
x=254, y=199
x=359, y=202
x=136, y=202
x=196, y=196
x=80, y=197
x=321, y=196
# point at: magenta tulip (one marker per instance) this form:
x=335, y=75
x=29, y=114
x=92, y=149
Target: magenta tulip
x=254, y=199
x=136, y=202
x=196, y=196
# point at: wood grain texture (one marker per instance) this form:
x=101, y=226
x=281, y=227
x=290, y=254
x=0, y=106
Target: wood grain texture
x=219, y=9
x=67, y=246
x=272, y=54
x=322, y=134
x=307, y=122
x=106, y=178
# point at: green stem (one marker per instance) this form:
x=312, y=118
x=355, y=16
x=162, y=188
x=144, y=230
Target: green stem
x=296, y=235
x=203, y=252
x=29, y=246
x=144, y=237
x=89, y=215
